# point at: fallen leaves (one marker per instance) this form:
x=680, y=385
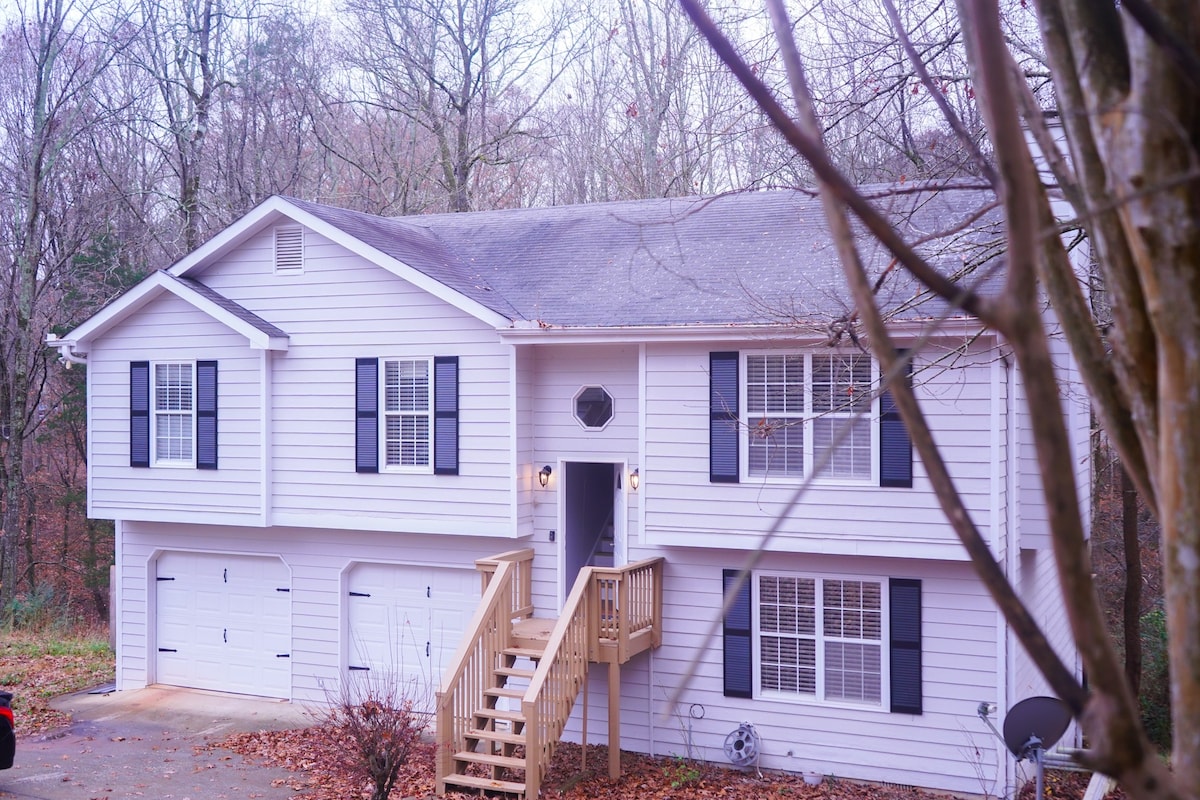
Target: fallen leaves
x=36, y=667
x=312, y=755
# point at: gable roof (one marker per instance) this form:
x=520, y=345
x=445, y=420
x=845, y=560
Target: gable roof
x=259, y=333
x=737, y=259
x=358, y=233
x=744, y=259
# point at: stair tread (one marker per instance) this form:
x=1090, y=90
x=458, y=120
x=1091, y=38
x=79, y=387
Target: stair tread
x=500, y=713
x=514, y=672
x=503, y=737
x=525, y=652
x=477, y=782
x=491, y=759
x=504, y=691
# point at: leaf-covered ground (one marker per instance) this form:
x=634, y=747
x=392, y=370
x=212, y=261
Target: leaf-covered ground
x=312, y=756
x=36, y=667
x=39, y=666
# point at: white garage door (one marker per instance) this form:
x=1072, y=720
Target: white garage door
x=405, y=623
x=224, y=622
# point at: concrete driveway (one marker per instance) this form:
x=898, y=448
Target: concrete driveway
x=141, y=744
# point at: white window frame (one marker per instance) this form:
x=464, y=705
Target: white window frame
x=425, y=414
x=804, y=420
x=156, y=413
x=821, y=640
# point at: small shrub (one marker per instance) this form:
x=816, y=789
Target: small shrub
x=681, y=772
x=1155, y=699
x=380, y=729
x=40, y=610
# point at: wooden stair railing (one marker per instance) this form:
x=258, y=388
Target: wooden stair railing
x=628, y=602
x=556, y=683
x=611, y=614
x=463, y=693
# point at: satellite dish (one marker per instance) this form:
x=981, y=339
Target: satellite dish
x=1032, y=726
x=1035, y=723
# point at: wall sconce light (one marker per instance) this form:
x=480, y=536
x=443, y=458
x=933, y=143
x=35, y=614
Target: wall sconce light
x=635, y=480
x=544, y=475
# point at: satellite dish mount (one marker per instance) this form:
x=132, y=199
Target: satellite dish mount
x=1030, y=728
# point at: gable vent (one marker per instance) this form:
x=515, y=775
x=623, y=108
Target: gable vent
x=289, y=250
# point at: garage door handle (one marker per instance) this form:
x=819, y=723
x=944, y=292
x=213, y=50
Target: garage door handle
x=359, y=594
x=360, y=669
x=225, y=635
x=283, y=655
x=427, y=649
x=167, y=650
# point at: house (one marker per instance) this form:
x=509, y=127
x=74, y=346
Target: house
x=317, y=431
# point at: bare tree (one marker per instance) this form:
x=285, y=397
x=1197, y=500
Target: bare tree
x=468, y=74
x=182, y=46
x=1127, y=83
x=51, y=60
x=264, y=125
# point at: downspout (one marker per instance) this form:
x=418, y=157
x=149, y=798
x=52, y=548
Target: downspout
x=66, y=350
x=1012, y=532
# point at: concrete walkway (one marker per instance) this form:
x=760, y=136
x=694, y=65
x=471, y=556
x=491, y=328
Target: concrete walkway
x=141, y=744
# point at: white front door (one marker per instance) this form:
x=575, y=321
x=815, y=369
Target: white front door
x=404, y=623
x=224, y=623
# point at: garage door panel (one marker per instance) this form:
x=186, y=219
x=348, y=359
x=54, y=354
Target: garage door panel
x=405, y=623
x=222, y=623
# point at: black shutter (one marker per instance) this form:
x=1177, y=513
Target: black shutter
x=895, y=445
x=139, y=414
x=366, y=415
x=905, y=623
x=723, y=412
x=445, y=415
x=206, y=414
x=738, y=639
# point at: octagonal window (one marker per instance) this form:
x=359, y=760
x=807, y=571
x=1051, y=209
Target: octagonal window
x=593, y=407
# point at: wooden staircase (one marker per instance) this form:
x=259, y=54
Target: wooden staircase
x=509, y=657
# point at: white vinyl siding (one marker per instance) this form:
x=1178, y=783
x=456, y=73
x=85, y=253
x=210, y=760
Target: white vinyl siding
x=852, y=740
x=805, y=407
x=174, y=415
x=342, y=308
x=820, y=637
x=683, y=508
x=168, y=330
x=406, y=405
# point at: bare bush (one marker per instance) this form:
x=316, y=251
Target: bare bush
x=381, y=728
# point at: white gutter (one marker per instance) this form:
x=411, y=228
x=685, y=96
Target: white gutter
x=535, y=332
x=66, y=350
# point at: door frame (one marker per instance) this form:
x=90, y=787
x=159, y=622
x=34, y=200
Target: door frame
x=620, y=517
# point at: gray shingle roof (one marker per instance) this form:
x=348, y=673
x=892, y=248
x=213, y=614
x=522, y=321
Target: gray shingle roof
x=742, y=258
x=241, y=312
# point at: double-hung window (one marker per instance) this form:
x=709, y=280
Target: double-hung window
x=406, y=415
x=809, y=412
x=842, y=640
x=406, y=411
x=820, y=638
x=173, y=409
x=174, y=414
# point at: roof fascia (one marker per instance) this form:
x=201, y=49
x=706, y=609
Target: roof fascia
x=153, y=286
x=275, y=207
